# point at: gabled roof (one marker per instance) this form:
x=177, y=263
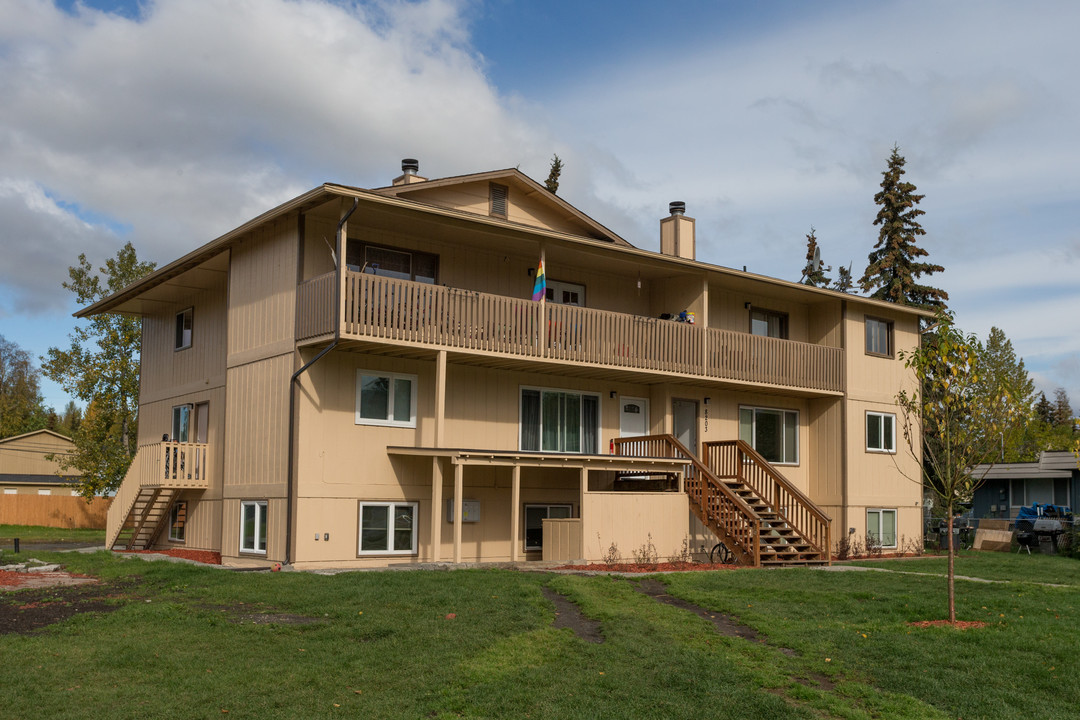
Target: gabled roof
x=33, y=433
x=513, y=178
x=1051, y=465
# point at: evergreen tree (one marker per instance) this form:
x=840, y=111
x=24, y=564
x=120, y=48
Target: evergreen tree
x=814, y=272
x=552, y=182
x=1044, y=410
x=1063, y=414
x=843, y=279
x=894, y=269
x=102, y=368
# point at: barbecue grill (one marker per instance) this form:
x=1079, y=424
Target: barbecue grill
x=1042, y=526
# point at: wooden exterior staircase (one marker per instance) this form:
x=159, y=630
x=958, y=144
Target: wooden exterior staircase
x=751, y=508
x=156, y=476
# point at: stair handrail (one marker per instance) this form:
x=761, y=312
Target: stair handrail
x=670, y=446
x=818, y=533
x=128, y=492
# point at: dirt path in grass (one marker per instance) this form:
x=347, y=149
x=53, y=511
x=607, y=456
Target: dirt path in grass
x=569, y=615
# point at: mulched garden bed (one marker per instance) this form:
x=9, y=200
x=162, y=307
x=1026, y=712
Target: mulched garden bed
x=25, y=611
x=649, y=567
x=207, y=557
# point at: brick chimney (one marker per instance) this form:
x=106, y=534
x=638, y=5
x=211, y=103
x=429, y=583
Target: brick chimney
x=409, y=168
x=677, y=232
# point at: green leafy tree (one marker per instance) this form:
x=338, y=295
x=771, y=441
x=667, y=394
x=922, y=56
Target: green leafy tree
x=101, y=368
x=814, y=272
x=1001, y=367
x=552, y=182
x=956, y=419
x=21, y=407
x=894, y=267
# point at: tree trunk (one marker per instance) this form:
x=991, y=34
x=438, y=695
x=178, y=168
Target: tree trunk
x=952, y=569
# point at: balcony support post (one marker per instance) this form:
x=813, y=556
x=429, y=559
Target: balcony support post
x=436, y=508
x=515, y=512
x=459, y=508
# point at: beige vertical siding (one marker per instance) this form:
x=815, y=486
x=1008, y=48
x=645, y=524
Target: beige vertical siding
x=276, y=513
x=727, y=311
x=629, y=519
x=262, y=290
x=256, y=427
x=25, y=454
x=170, y=373
x=825, y=433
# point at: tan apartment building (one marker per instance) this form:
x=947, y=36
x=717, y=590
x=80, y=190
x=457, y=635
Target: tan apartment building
x=28, y=465
x=363, y=378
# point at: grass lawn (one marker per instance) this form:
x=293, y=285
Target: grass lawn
x=991, y=566
x=40, y=534
x=193, y=642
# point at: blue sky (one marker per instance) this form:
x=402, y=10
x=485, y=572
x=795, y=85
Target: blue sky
x=167, y=123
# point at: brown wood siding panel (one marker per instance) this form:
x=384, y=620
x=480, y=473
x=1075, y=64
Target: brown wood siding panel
x=256, y=437
x=262, y=287
x=26, y=455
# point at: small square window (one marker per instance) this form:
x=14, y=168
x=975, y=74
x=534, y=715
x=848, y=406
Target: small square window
x=385, y=399
x=880, y=432
x=881, y=527
x=387, y=528
x=879, y=337
x=183, y=329
x=253, y=526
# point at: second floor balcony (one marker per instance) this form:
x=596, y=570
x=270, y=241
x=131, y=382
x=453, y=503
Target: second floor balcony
x=388, y=310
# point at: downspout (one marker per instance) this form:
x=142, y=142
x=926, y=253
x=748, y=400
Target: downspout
x=290, y=499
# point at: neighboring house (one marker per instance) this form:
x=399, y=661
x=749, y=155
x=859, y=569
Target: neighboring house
x=335, y=374
x=1054, y=479
x=25, y=468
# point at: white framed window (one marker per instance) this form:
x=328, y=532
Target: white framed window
x=1048, y=491
x=385, y=399
x=564, y=293
x=879, y=337
x=534, y=522
x=881, y=526
x=774, y=433
x=11, y=491
x=181, y=423
x=559, y=421
x=44, y=491
x=387, y=528
x=253, y=526
x=177, y=520
x=183, y=329
x=880, y=432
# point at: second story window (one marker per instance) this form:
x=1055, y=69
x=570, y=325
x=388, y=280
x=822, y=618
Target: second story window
x=392, y=262
x=183, y=329
x=879, y=337
x=768, y=323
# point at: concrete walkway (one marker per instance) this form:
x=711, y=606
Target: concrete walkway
x=859, y=568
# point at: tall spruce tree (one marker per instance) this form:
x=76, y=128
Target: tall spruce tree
x=814, y=272
x=552, y=182
x=894, y=268
x=1063, y=414
x=1044, y=410
x=1000, y=368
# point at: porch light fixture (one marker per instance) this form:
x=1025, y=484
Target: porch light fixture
x=611, y=394
x=746, y=305
x=707, y=401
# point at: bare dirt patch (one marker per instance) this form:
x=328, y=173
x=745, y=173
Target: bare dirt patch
x=24, y=580
x=569, y=615
x=254, y=614
x=649, y=567
x=28, y=610
x=959, y=624
x=725, y=624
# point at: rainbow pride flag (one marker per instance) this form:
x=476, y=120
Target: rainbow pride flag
x=540, y=287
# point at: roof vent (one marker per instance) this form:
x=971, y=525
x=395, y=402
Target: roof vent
x=410, y=168
x=678, y=207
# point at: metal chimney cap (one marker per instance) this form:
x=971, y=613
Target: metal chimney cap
x=410, y=166
x=678, y=207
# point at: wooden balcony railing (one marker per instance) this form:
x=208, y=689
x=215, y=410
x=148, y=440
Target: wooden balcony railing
x=736, y=459
x=383, y=308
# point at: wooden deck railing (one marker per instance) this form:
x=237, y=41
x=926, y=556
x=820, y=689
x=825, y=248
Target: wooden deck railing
x=157, y=465
x=719, y=508
x=384, y=308
x=736, y=459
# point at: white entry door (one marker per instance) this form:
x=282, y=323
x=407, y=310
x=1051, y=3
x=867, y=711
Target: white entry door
x=633, y=417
